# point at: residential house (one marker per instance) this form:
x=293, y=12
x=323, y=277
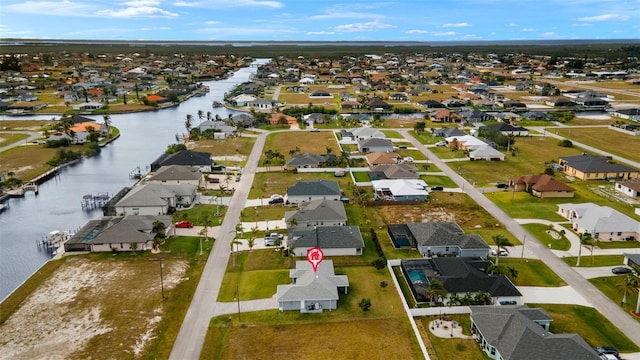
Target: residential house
x=309, y=160
x=109, y=234
x=465, y=142
x=155, y=199
x=262, y=104
x=602, y=222
x=242, y=100
x=220, y=129
x=399, y=97
x=320, y=94
x=629, y=188
x=458, y=276
x=393, y=171
x=591, y=101
x=333, y=240
x=22, y=106
x=446, y=115
x=88, y=106
x=484, y=152
x=316, y=118
x=380, y=158
x=312, y=291
x=439, y=239
x=506, y=129
x=400, y=190
x=515, y=106
x=176, y=174
x=243, y=120
x=431, y=104
x=280, y=118
x=630, y=114
x=375, y=145
x=449, y=132
x=185, y=157
x=361, y=133
x=520, y=332
x=542, y=186
x=560, y=102
x=317, y=213
x=592, y=167
x=303, y=191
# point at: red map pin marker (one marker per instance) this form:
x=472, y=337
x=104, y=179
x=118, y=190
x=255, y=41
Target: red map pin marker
x=315, y=257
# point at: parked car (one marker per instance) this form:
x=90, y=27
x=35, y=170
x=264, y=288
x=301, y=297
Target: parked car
x=621, y=270
x=610, y=350
x=408, y=159
x=270, y=239
x=503, y=252
x=314, y=130
x=276, y=200
x=437, y=188
x=184, y=224
x=218, y=168
x=502, y=185
x=339, y=173
x=441, y=143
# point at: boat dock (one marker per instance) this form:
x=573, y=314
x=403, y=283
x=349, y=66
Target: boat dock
x=90, y=202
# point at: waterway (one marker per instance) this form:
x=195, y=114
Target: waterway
x=144, y=137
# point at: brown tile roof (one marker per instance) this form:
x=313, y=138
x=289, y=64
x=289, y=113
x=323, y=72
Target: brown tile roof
x=382, y=158
x=633, y=184
x=542, y=183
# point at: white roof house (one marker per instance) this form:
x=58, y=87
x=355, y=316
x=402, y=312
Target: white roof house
x=485, y=152
x=400, y=189
x=602, y=222
x=466, y=141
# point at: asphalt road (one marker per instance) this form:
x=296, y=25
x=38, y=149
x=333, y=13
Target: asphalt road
x=204, y=306
x=582, y=286
x=31, y=136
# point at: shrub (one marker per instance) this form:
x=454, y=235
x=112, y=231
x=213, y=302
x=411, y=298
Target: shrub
x=379, y=263
x=384, y=284
x=565, y=143
x=376, y=242
x=365, y=304
x=549, y=171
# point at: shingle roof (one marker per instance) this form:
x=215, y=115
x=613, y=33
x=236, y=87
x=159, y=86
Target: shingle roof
x=443, y=234
x=314, y=187
x=318, y=210
x=542, y=183
x=183, y=157
x=462, y=275
x=513, y=333
x=326, y=237
x=321, y=285
x=176, y=172
x=594, y=164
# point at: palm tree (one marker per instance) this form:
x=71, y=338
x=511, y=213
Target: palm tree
x=585, y=239
x=200, y=115
x=436, y=290
x=188, y=122
x=209, y=115
x=629, y=286
x=107, y=123
x=501, y=242
x=234, y=242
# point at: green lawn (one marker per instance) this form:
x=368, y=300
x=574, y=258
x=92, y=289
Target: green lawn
x=392, y=134
x=609, y=286
x=277, y=182
x=433, y=180
x=598, y=260
x=608, y=140
x=444, y=152
x=618, y=244
x=532, y=272
x=442, y=348
x=540, y=232
x=588, y=323
x=361, y=176
x=425, y=137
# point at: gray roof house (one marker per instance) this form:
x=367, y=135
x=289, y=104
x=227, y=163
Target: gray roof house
x=361, y=133
x=309, y=160
x=333, y=240
x=155, y=199
x=459, y=275
x=184, y=157
x=176, y=174
x=393, y=171
x=312, y=292
x=375, y=145
x=439, y=239
x=117, y=234
x=243, y=120
x=400, y=189
x=219, y=128
x=317, y=213
x=519, y=332
x=592, y=167
x=312, y=190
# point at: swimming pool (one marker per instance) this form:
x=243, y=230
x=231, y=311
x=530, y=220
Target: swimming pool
x=400, y=241
x=416, y=276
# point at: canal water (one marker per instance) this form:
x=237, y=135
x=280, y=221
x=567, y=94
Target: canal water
x=144, y=137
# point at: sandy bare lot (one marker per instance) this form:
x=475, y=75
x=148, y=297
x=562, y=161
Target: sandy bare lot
x=105, y=308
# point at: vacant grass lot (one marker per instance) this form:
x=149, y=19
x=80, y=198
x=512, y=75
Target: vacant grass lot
x=277, y=182
x=540, y=233
x=608, y=140
x=533, y=154
x=235, y=146
x=103, y=299
x=28, y=162
x=610, y=286
x=532, y=272
x=348, y=330
x=305, y=141
x=595, y=261
x=433, y=180
x=588, y=323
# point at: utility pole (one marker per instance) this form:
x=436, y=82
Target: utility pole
x=524, y=241
x=238, y=300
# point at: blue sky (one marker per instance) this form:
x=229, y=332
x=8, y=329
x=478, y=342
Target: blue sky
x=321, y=20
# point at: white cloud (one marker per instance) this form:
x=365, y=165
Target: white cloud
x=321, y=33
x=62, y=8
x=604, y=17
x=345, y=15
x=432, y=33
x=186, y=4
x=417, y=32
x=527, y=29
x=511, y=25
x=245, y=31
x=238, y=3
x=141, y=11
x=366, y=26
x=212, y=22
x=462, y=24
x=137, y=3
